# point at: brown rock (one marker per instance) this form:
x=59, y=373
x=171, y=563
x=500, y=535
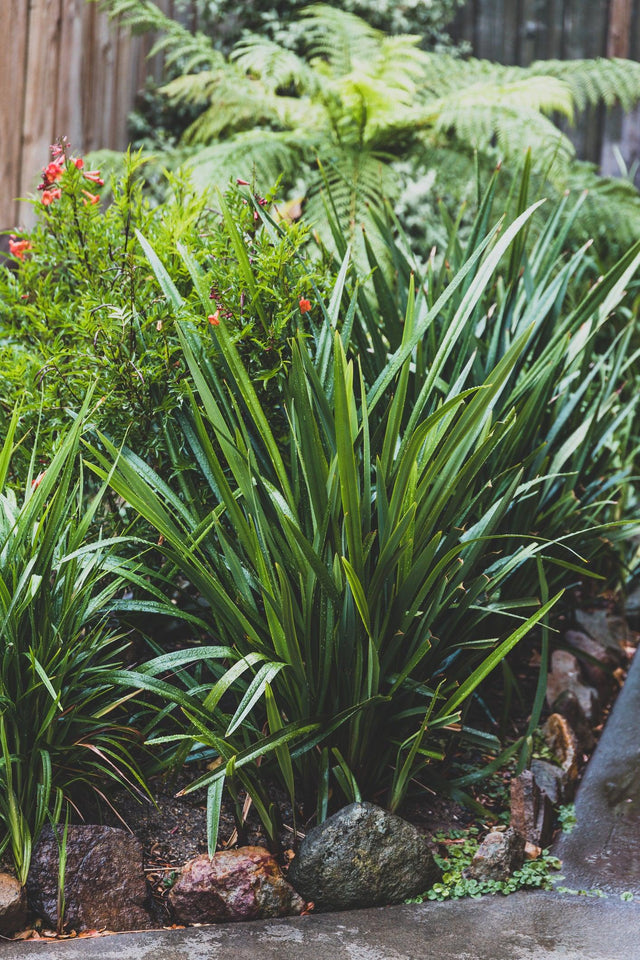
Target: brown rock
x=13, y=905
x=562, y=742
x=243, y=884
x=500, y=853
x=105, y=886
x=565, y=675
x=531, y=810
x=568, y=705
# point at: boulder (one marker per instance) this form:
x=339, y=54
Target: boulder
x=13, y=905
x=500, y=853
x=565, y=675
x=531, y=810
x=104, y=887
x=242, y=884
x=362, y=856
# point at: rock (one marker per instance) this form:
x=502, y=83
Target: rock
x=632, y=608
x=597, y=663
x=500, y=853
x=13, y=905
x=105, y=887
x=362, y=856
x=568, y=705
x=242, y=884
x=565, y=675
x=531, y=810
x=609, y=631
x=562, y=742
x=550, y=779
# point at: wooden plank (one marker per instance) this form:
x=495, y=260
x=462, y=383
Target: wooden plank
x=70, y=94
x=43, y=59
x=619, y=28
x=14, y=30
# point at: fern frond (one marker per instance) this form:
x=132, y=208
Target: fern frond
x=277, y=67
x=192, y=51
x=595, y=81
x=259, y=155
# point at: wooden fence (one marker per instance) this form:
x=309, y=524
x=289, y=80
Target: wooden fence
x=520, y=31
x=64, y=69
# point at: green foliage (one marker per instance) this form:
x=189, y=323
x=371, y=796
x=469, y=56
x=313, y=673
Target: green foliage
x=461, y=847
x=567, y=817
x=62, y=725
x=358, y=99
x=82, y=309
x=368, y=556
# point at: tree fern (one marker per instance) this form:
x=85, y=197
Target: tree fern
x=358, y=99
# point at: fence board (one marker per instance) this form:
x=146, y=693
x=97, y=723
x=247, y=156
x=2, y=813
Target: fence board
x=14, y=32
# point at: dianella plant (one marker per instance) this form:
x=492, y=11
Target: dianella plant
x=63, y=726
x=354, y=571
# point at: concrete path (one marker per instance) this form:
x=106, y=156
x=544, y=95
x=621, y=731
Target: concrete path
x=603, y=852
x=524, y=926
x=604, y=849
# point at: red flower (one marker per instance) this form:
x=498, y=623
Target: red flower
x=305, y=305
x=52, y=172
x=38, y=480
x=92, y=198
x=78, y=162
x=94, y=176
x=213, y=319
x=18, y=247
x=242, y=183
x=48, y=196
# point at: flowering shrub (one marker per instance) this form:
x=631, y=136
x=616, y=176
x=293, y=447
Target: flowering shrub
x=83, y=307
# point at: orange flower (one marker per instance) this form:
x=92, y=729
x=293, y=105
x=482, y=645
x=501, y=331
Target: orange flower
x=94, y=176
x=305, y=305
x=78, y=162
x=213, y=319
x=92, y=198
x=48, y=196
x=38, y=480
x=52, y=172
x=18, y=247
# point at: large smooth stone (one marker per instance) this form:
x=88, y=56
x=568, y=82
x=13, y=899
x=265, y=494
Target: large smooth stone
x=362, y=856
x=242, y=884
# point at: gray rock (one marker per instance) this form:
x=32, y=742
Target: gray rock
x=632, y=608
x=362, y=856
x=105, y=886
x=609, y=631
x=13, y=905
x=242, y=884
x=531, y=810
x=500, y=853
x=565, y=675
x=550, y=779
